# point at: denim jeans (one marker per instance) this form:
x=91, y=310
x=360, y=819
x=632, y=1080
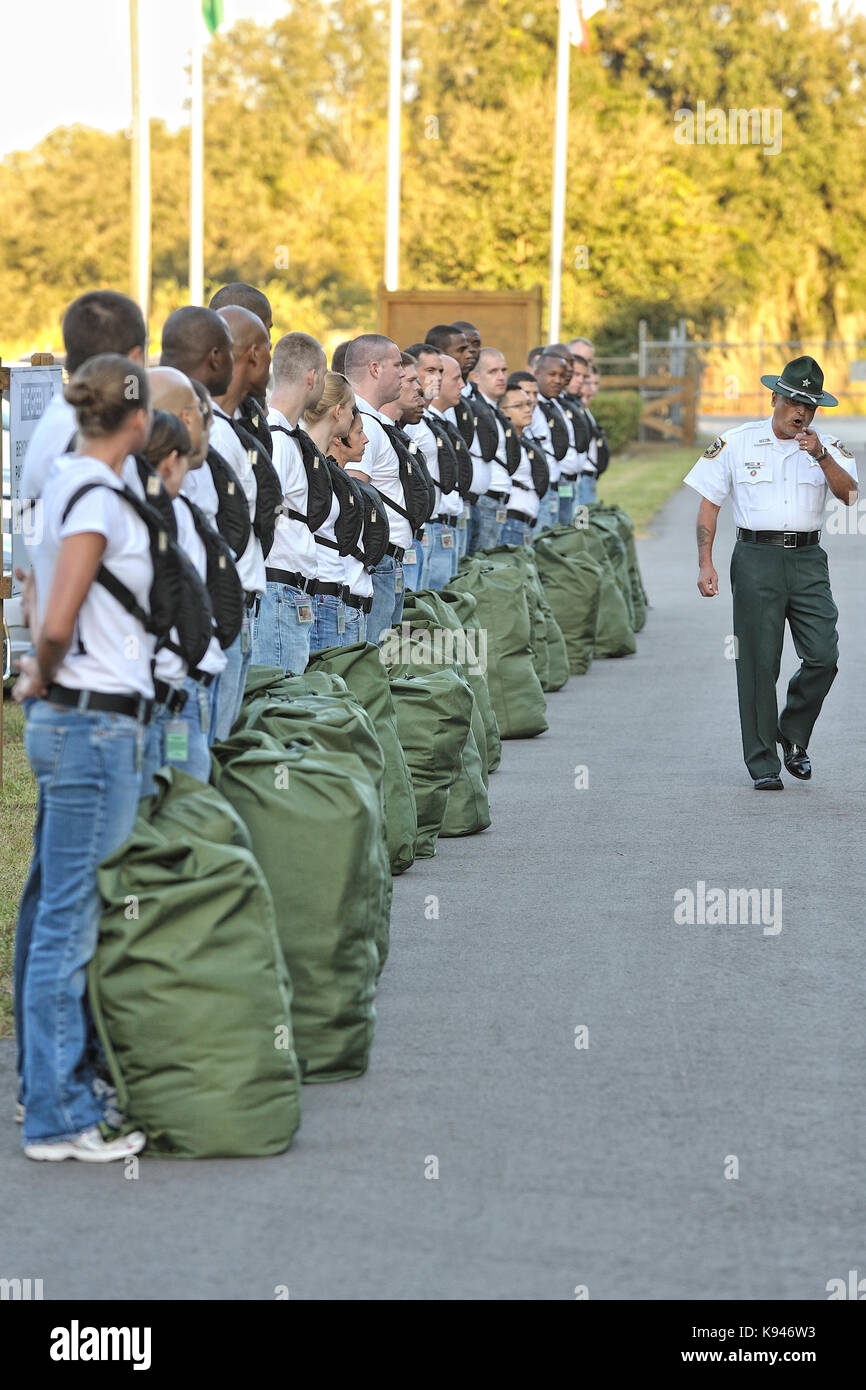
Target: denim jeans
x=356, y=626
x=587, y=488
x=490, y=529
x=329, y=622
x=197, y=761
x=387, y=609
x=516, y=532
x=415, y=571
x=442, y=561
x=473, y=529
x=548, y=511
x=233, y=680
x=567, y=504
x=281, y=632
x=87, y=769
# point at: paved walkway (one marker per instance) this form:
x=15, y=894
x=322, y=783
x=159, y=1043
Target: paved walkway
x=709, y=1047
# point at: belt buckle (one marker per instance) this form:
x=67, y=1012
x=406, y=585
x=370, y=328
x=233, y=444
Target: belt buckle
x=789, y=540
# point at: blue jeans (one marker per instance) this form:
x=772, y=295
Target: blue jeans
x=567, y=504
x=329, y=622
x=548, y=511
x=197, y=761
x=281, y=632
x=387, y=609
x=463, y=532
x=87, y=769
x=442, y=562
x=356, y=626
x=233, y=681
x=587, y=488
x=490, y=529
x=415, y=572
x=473, y=529
x=516, y=532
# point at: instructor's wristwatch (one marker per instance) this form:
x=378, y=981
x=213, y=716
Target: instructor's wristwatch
x=823, y=454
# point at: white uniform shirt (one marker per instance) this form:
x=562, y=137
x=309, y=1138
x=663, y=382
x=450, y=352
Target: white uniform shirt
x=294, y=548
x=110, y=651
x=452, y=502
x=572, y=462
x=590, y=459
x=524, y=498
x=383, y=467
x=199, y=487
x=251, y=565
x=426, y=442
x=774, y=485
x=191, y=543
x=480, y=470
x=540, y=430
x=332, y=565
x=500, y=478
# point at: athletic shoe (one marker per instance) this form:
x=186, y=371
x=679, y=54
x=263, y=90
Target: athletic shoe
x=89, y=1147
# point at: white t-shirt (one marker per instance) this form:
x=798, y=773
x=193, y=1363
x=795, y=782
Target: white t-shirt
x=199, y=487
x=110, y=650
x=294, y=548
x=480, y=470
x=451, y=503
x=191, y=543
x=500, y=478
x=251, y=565
x=540, y=429
x=332, y=565
x=523, y=497
x=383, y=466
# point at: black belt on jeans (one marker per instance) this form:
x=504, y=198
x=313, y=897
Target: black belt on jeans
x=137, y=707
x=398, y=552
x=513, y=515
x=334, y=590
x=356, y=601
x=568, y=477
x=473, y=498
x=497, y=496
x=789, y=540
x=170, y=696
x=250, y=597
x=297, y=581
x=588, y=473
x=446, y=520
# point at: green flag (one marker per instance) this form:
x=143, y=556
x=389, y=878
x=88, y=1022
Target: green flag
x=212, y=10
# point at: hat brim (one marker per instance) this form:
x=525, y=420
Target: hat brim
x=774, y=384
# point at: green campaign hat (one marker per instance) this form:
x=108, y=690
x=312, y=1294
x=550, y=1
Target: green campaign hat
x=802, y=380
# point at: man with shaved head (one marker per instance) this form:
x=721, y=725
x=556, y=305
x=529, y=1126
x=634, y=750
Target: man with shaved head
x=199, y=343
x=374, y=367
x=473, y=338
x=172, y=391
x=254, y=409
x=252, y=362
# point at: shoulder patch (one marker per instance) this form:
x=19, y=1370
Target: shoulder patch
x=715, y=448
x=846, y=453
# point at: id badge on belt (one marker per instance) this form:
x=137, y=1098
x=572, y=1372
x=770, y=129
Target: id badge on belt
x=398, y=581
x=566, y=489
x=304, y=611
x=501, y=515
x=177, y=741
x=203, y=710
x=246, y=636
x=410, y=558
x=447, y=540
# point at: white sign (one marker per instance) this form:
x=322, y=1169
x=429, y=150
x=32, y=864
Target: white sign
x=30, y=390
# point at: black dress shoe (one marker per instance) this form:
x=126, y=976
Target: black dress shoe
x=796, y=759
x=769, y=784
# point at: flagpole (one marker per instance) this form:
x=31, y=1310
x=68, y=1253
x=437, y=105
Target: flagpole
x=392, y=215
x=560, y=151
x=140, y=186
x=196, y=164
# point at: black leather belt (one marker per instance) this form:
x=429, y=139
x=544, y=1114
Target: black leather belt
x=568, y=477
x=250, y=597
x=170, y=696
x=446, y=520
x=356, y=601
x=335, y=590
x=473, y=498
x=497, y=496
x=398, y=552
x=297, y=581
x=520, y=516
x=588, y=473
x=789, y=540
x=134, y=705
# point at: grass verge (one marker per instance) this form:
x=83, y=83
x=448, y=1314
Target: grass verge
x=642, y=477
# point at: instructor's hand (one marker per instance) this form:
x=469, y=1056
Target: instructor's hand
x=708, y=582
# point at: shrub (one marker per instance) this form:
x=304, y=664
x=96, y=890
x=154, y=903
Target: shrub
x=618, y=412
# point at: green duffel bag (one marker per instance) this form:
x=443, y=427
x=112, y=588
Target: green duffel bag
x=572, y=585
x=468, y=808
x=503, y=611
x=188, y=987
x=604, y=524
x=340, y=724
x=313, y=817
x=614, y=634
x=434, y=716
x=638, y=592
x=271, y=680
x=521, y=558
x=360, y=666
x=557, y=653
x=458, y=610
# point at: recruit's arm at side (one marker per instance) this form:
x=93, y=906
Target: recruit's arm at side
x=708, y=580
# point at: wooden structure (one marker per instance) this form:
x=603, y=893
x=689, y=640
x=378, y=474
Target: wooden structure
x=509, y=320
x=656, y=408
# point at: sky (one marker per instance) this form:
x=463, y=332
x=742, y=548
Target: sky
x=67, y=62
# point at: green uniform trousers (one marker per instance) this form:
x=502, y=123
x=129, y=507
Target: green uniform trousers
x=769, y=585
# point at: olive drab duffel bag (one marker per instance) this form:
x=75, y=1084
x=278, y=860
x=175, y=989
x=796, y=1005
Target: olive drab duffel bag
x=626, y=531
x=360, y=666
x=549, y=653
x=503, y=612
x=188, y=987
x=434, y=716
x=606, y=526
x=314, y=820
x=572, y=585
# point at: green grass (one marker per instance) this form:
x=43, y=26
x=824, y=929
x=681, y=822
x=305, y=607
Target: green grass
x=642, y=477
x=17, y=811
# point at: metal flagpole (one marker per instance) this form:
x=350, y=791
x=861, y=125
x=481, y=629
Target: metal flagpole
x=140, y=189
x=392, y=233
x=560, y=150
x=196, y=159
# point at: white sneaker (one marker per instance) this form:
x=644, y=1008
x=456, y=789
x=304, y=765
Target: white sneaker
x=19, y=1113
x=89, y=1147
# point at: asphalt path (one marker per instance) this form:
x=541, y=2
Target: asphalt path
x=703, y=1138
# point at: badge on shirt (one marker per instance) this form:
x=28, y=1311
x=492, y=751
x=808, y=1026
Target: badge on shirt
x=753, y=465
x=837, y=444
x=715, y=448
